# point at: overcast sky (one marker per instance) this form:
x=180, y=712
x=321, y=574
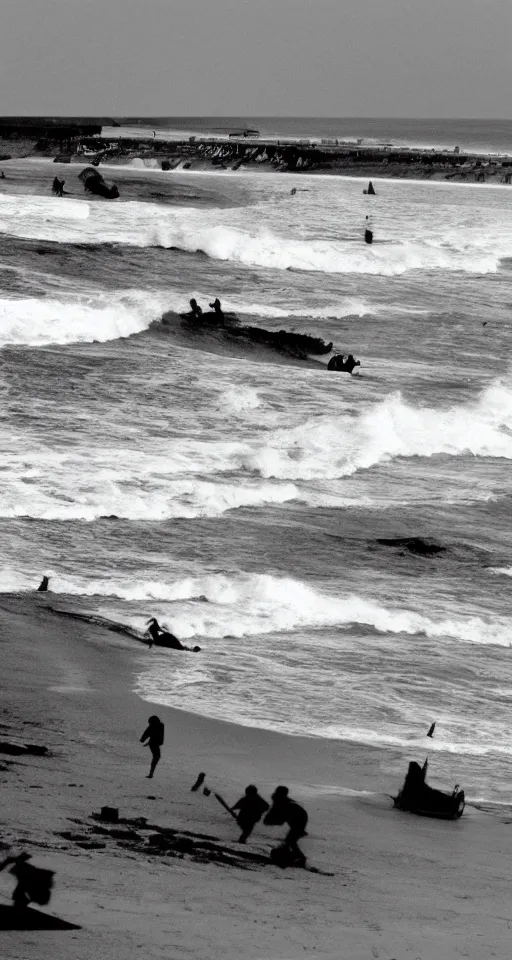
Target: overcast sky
x=392, y=58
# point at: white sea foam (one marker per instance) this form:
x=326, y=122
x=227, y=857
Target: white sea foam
x=266, y=238
x=77, y=318
x=92, y=497
x=327, y=447
x=246, y=605
x=185, y=477
x=240, y=399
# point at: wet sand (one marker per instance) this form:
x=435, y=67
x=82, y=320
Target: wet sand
x=403, y=886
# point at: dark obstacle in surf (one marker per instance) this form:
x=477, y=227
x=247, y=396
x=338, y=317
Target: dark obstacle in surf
x=301, y=345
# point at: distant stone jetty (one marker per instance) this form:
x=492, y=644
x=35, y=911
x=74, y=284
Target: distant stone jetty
x=83, y=140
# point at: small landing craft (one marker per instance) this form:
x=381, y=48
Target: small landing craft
x=417, y=797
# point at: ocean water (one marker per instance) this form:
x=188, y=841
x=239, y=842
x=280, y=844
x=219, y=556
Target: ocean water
x=155, y=469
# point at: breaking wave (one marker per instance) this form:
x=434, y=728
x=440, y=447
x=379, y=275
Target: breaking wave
x=189, y=478
x=329, y=447
x=89, y=499
x=193, y=230
x=81, y=316
x=77, y=318
x=221, y=606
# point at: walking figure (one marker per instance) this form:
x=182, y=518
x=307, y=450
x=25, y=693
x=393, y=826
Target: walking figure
x=154, y=734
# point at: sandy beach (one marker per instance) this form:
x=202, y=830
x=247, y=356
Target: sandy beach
x=401, y=886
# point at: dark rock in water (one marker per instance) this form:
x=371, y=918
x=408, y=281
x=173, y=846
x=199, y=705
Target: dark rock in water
x=29, y=919
x=414, y=545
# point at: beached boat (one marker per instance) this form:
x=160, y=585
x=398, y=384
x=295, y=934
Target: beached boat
x=417, y=797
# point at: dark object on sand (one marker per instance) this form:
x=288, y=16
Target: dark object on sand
x=286, y=810
x=368, y=235
x=417, y=797
x=416, y=545
x=162, y=638
x=283, y=857
x=223, y=804
x=370, y=191
x=36, y=749
x=33, y=884
x=109, y=814
x=293, y=191
x=431, y=730
x=198, y=783
x=18, y=749
x=94, y=183
x=343, y=364
x=43, y=586
x=12, y=749
x=29, y=919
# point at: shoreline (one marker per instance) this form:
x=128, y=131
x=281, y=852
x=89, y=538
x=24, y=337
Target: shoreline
x=226, y=154
x=394, y=885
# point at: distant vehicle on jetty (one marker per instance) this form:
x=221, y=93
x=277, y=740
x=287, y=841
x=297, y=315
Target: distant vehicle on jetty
x=244, y=133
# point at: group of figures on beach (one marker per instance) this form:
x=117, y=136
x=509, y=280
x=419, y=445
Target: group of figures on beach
x=249, y=809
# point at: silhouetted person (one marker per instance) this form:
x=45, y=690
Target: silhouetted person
x=43, y=586
x=286, y=810
x=251, y=807
x=33, y=883
x=164, y=638
x=368, y=235
x=154, y=734
x=350, y=363
x=217, y=308
x=58, y=187
x=2, y=175
x=195, y=309
x=337, y=362
x=343, y=364
x=371, y=191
